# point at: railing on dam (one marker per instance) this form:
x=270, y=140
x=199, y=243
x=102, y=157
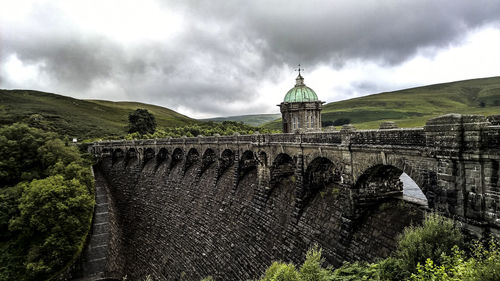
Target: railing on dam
x=407, y=137
x=413, y=137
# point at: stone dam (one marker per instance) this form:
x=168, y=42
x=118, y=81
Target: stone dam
x=187, y=208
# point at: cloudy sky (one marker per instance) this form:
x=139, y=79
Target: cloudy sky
x=222, y=58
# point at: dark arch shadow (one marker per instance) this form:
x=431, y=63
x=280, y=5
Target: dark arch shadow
x=192, y=157
x=131, y=156
x=282, y=167
x=321, y=175
x=117, y=155
x=207, y=160
x=380, y=182
x=177, y=157
x=162, y=156
x=247, y=164
x=226, y=160
x=149, y=154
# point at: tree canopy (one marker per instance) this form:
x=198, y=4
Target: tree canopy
x=46, y=202
x=142, y=122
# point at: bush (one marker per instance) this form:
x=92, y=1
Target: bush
x=279, y=271
x=484, y=265
x=435, y=237
x=427, y=252
x=312, y=270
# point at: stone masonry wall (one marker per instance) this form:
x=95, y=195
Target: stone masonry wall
x=177, y=225
x=228, y=206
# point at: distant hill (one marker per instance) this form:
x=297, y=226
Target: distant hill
x=78, y=118
x=252, y=120
x=413, y=107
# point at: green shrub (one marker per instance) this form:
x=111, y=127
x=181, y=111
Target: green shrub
x=279, y=271
x=312, y=270
x=355, y=271
x=435, y=237
x=484, y=265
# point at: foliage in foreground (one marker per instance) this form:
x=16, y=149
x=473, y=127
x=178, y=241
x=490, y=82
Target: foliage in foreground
x=45, y=203
x=433, y=251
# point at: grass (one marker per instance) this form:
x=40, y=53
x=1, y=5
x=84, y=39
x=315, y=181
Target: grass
x=98, y=118
x=78, y=118
x=252, y=120
x=413, y=107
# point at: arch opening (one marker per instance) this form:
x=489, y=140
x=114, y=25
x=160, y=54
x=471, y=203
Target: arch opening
x=149, y=154
x=411, y=191
x=386, y=181
x=131, y=156
x=177, y=156
x=247, y=163
x=207, y=159
x=192, y=157
x=320, y=173
x=226, y=160
x=117, y=155
x=283, y=167
x=161, y=156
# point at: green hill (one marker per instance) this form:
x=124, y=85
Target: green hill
x=252, y=120
x=413, y=107
x=78, y=118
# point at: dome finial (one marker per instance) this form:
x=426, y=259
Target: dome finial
x=299, y=69
x=299, y=80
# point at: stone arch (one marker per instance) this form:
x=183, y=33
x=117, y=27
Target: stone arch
x=161, y=156
x=386, y=181
x=117, y=155
x=177, y=156
x=149, y=154
x=209, y=157
x=132, y=155
x=226, y=160
x=321, y=176
x=282, y=167
x=247, y=163
x=192, y=157
x=320, y=173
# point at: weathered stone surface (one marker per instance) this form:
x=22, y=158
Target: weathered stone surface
x=228, y=206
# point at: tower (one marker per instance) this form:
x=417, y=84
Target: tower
x=301, y=109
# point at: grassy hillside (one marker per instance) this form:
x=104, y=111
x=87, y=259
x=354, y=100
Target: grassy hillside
x=78, y=118
x=252, y=120
x=413, y=107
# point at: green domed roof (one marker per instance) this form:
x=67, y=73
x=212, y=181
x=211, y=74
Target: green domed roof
x=300, y=93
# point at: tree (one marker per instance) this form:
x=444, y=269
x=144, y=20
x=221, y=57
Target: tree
x=54, y=214
x=19, y=155
x=141, y=121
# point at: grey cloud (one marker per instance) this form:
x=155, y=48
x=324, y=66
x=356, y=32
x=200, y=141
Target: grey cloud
x=229, y=47
x=335, y=31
